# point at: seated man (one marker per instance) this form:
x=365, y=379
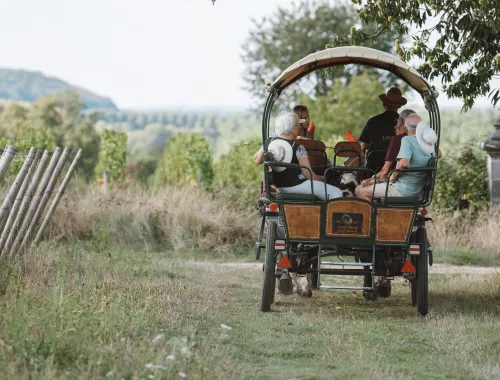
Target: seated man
x=416, y=150
x=380, y=128
x=394, y=146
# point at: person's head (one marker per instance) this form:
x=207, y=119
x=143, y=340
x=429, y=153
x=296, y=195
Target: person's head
x=393, y=99
x=303, y=113
x=287, y=125
x=400, y=121
x=411, y=123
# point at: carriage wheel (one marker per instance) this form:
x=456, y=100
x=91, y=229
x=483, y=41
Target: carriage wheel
x=422, y=273
x=269, y=269
x=413, y=292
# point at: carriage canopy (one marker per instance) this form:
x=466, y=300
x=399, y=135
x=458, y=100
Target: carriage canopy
x=351, y=55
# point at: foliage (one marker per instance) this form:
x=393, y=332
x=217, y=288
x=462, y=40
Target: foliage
x=28, y=86
x=112, y=155
x=462, y=176
x=459, y=41
x=187, y=160
x=237, y=169
x=345, y=106
x=290, y=34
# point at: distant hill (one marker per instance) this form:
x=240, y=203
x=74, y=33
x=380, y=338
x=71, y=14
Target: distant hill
x=27, y=86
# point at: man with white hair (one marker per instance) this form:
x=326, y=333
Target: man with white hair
x=416, y=150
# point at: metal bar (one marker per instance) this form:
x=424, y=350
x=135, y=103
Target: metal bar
x=58, y=196
x=36, y=201
x=337, y=271
x=350, y=263
x=346, y=287
x=45, y=198
x=5, y=208
x=26, y=202
x=319, y=266
x=8, y=154
x=17, y=202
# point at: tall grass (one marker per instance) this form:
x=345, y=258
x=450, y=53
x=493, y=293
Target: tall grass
x=467, y=238
x=169, y=218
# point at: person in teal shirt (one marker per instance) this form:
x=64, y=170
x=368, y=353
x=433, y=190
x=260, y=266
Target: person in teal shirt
x=416, y=150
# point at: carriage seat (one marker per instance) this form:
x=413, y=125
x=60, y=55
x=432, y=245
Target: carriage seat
x=295, y=197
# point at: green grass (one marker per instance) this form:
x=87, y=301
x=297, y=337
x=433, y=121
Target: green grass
x=462, y=256
x=75, y=313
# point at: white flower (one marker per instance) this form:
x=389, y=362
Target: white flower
x=225, y=327
x=171, y=357
x=157, y=338
x=183, y=374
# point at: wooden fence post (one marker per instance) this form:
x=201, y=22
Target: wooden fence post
x=17, y=202
x=36, y=201
x=26, y=202
x=45, y=198
x=11, y=195
x=58, y=197
x=8, y=154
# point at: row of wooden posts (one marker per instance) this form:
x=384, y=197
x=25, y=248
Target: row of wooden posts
x=29, y=195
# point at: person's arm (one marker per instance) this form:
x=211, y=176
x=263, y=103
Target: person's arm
x=364, y=138
x=440, y=154
x=305, y=162
x=404, y=156
x=384, y=172
x=258, y=157
x=303, y=159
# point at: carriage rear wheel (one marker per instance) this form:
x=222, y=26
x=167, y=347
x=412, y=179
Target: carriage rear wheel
x=269, y=285
x=414, y=292
x=422, y=273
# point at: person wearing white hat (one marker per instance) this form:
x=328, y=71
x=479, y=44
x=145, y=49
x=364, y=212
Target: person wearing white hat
x=284, y=148
x=416, y=150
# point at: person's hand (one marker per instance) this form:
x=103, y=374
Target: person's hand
x=302, y=138
x=394, y=177
x=368, y=180
x=318, y=177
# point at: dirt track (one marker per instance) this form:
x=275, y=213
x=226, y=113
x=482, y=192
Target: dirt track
x=436, y=268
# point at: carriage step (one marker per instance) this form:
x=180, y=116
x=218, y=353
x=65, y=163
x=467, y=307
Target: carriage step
x=346, y=287
x=358, y=264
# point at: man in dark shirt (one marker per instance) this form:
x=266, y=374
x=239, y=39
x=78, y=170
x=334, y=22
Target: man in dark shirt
x=379, y=130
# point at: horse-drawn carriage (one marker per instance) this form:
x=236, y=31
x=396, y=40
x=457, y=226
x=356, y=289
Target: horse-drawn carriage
x=383, y=239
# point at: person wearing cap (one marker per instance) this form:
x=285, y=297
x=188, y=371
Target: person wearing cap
x=394, y=146
x=284, y=148
x=380, y=128
x=416, y=150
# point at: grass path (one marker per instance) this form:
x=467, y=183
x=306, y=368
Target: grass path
x=72, y=313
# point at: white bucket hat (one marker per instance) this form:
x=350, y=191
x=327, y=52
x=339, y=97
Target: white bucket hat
x=426, y=137
x=281, y=151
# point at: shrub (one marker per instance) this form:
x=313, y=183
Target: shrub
x=113, y=154
x=187, y=161
x=462, y=177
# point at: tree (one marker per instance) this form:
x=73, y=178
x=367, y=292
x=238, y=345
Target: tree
x=459, y=41
x=290, y=34
x=187, y=160
x=112, y=155
x=345, y=106
x=11, y=119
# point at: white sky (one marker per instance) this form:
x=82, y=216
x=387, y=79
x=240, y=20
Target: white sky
x=142, y=54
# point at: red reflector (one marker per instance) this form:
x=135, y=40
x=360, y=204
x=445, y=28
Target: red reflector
x=408, y=267
x=273, y=207
x=284, y=263
x=423, y=212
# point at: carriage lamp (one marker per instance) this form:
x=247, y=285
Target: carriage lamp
x=273, y=207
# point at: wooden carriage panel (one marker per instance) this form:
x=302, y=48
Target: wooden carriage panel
x=393, y=224
x=303, y=221
x=348, y=218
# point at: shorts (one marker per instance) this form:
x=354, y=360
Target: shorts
x=381, y=187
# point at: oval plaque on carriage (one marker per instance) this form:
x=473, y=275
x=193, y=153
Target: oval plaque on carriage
x=347, y=223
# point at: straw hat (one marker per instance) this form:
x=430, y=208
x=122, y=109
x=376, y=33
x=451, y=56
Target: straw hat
x=281, y=151
x=426, y=137
x=393, y=98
